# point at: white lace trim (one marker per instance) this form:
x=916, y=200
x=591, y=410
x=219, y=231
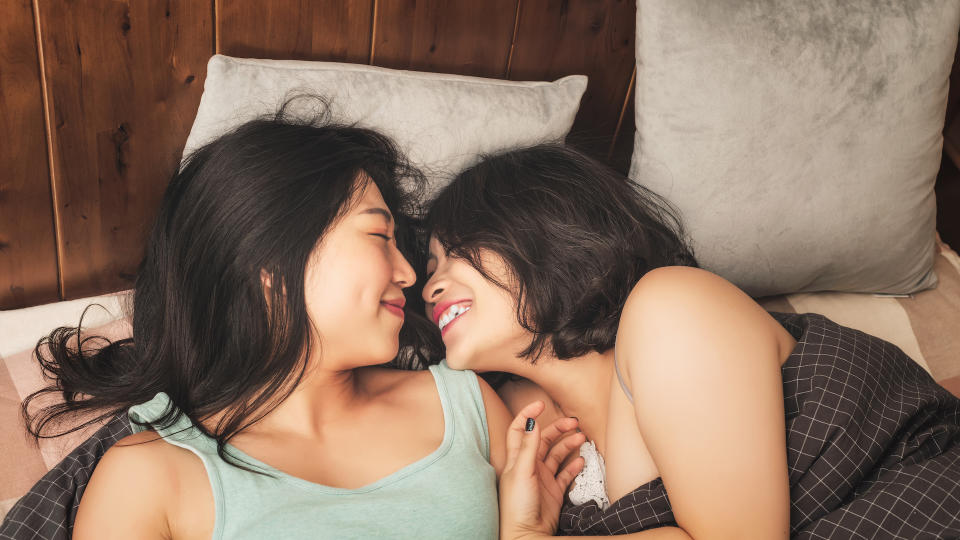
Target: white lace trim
x=589, y=485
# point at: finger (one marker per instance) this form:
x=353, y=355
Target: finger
x=515, y=432
x=526, y=462
x=554, y=432
x=570, y=472
x=561, y=450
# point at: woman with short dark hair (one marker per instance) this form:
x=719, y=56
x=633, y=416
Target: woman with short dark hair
x=707, y=416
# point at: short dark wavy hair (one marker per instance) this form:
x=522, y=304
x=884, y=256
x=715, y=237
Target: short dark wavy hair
x=575, y=234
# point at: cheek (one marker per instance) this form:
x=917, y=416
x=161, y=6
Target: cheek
x=333, y=297
x=354, y=275
x=493, y=333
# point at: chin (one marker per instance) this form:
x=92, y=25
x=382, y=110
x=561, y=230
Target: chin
x=461, y=362
x=388, y=353
x=457, y=362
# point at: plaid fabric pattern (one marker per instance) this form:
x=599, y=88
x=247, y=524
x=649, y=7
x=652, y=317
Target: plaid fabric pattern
x=873, y=446
x=47, y=511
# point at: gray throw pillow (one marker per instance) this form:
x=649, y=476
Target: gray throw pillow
x=800, y=139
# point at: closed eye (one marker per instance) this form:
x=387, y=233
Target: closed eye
x=385, y=237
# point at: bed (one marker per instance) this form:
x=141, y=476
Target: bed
x=894, y=279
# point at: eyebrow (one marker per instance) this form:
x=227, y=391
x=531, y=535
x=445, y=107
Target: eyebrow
x=379, y=211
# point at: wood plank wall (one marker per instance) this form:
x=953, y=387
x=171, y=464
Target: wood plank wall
x=97, y=98
x=102, y=94
x=28, y=254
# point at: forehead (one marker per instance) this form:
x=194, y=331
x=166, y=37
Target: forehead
x=370, y=194
x=435, y=248
x=369, y=201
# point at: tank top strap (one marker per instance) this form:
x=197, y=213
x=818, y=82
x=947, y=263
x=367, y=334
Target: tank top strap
x=623, y=384
x=183, y=433
x=181, y=430
x=462, y=400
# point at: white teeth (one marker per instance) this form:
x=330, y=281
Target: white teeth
x=452, y=313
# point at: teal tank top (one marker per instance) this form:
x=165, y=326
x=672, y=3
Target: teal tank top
x=450, y=493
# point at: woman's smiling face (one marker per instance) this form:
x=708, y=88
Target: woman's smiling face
x=477, y=318
x=354, y=285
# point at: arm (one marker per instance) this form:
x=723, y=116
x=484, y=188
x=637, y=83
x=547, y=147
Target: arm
x=126, y=495
x=703, y=361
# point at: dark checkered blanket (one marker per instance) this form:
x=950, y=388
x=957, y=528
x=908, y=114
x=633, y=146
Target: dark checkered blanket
x=873, y=446
x=47, y=511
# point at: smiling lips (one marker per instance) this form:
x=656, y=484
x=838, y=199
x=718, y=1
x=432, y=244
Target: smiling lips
x=446, y=313
x=395, y=306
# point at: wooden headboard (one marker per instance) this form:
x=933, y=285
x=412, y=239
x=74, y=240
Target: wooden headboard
x=97, y=98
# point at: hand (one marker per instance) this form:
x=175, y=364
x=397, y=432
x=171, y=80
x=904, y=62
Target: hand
x=531, y=489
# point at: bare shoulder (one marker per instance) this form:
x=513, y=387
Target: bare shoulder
x=498, y=420
x=144, y=487
x=497, y=412
x=692, y=308
x=704, y=365
x=128, y=492
x=145, y=454
x=420, y=383
x=686, y=287
x=694, y=298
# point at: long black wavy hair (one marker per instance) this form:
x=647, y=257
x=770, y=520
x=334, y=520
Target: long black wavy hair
x=575, y=234
x=258, y=198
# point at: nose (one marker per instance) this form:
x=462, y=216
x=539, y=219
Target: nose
x=433, y=288
x=403, y=273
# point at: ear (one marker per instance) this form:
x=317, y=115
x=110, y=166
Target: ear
x=265, y=279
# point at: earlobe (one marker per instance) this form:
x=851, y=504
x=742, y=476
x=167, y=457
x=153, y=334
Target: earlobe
x=265, y=280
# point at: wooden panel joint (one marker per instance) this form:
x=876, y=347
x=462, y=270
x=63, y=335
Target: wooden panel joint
x=51, y=162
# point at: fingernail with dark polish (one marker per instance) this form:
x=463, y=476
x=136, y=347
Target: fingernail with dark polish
x=530, y=424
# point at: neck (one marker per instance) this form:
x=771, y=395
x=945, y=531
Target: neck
x=580, y=386
x=321, y=399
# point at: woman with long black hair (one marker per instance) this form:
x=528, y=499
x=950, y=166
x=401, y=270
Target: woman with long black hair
x=269, y=299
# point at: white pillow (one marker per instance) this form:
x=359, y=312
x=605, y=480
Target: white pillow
x=20, y=329
x=442, y=122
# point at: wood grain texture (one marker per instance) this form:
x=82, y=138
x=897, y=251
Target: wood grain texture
x=951, y=127
x=948, y=202
x=953, y=99
x=28, y=265
x=124, y=80
x=621, y=151
x=947, y=187
x=465, y=37
x=329, y=30
x=590, y=37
